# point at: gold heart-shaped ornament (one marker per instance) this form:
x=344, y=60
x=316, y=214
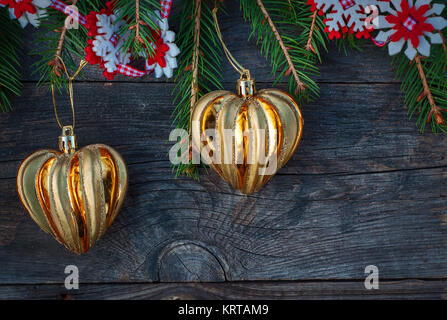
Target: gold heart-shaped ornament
x=254, y=133
x=73, y=195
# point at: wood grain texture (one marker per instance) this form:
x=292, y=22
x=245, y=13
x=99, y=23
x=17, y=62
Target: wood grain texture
x=364, y=187
x=360, y=190
x=371, y=64
x=284, y=290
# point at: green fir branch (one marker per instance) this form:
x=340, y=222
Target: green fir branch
x=424, y=84
x=11, y=43
x=428, y=107
x=209, y=66
x=74, y=42
x=141, y=18
x=293, y=20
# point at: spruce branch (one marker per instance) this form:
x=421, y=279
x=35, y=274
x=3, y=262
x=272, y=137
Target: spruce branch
x=138, y=22
x=56, y=63
x=309, y=46
x=54, y=39
x=195, y=56
x=141, y=19
x=199, y=69
x=434, y=110
x=424, y=85
x=299, y=84
x=282, y=30
x=444, y=46
x=11, y=43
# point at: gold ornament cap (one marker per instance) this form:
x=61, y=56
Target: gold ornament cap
x=67, y=141
x=246, y=86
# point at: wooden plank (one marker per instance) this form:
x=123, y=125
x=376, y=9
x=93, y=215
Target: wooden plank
x=364, y=188
x=350, y=128
x=371, y=64
x=405, y=289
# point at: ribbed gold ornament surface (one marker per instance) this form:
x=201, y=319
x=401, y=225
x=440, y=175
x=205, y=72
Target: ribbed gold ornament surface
x=270, y=109
x=74, y=196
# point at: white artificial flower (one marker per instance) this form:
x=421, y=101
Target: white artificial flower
x=415, y=23
x=168, y=37
x=108, y=44
x=26, y=11
x=344, y=15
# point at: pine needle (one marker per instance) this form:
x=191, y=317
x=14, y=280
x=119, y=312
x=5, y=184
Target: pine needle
x=282, y=30
x=200, y=66
x=11, y=43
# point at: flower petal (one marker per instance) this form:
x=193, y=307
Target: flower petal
x=158, y=71
x=169, y=36
x=163, y=24
x=172, y=62
x=436, y=9
x=422, y=2
x=173, y=49
x=396, y=4
x=438, y=23
x=381, y=22
x=383, y=36
x=23, y=21
x=424, y=46
x=395, y=47
x=168, y=71
x=411, y=51
x=435, y=38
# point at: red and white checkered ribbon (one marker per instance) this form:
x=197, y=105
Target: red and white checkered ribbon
x=346, y=4
x=124, y=69
x=165, y=8
x=67, y=9
x=410, y=23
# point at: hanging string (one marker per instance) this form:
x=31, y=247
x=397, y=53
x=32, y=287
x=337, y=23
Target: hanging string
x=82, y=64
x=236, y=65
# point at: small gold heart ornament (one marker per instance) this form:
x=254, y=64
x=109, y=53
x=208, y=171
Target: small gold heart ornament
x=274, y=124
x=73, y=195
x=245, y=137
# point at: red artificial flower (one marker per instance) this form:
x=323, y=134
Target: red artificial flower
x=90, y=55
x=409, y=23
x=92, y=32
x=20, y=6
x=159, y=52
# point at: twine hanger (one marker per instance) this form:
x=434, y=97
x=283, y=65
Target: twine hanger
x=82, y=64
x=245, y=73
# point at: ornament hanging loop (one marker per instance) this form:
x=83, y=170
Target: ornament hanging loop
x=67, y=141
x=82, y=64
x=245, y=84
x=245, y=73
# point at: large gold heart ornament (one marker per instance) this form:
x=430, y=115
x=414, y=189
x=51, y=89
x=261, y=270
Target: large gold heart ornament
x=248, y=136
x=73, y=195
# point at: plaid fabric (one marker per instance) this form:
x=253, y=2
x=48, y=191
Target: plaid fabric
x=65, y=8
x=165, y=6
x=129, y=71
x=114, y=39
x=410, y=23
x=346, y=4
x=122, y=69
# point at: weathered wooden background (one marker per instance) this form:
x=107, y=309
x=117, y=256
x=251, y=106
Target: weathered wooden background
x=364, y=188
